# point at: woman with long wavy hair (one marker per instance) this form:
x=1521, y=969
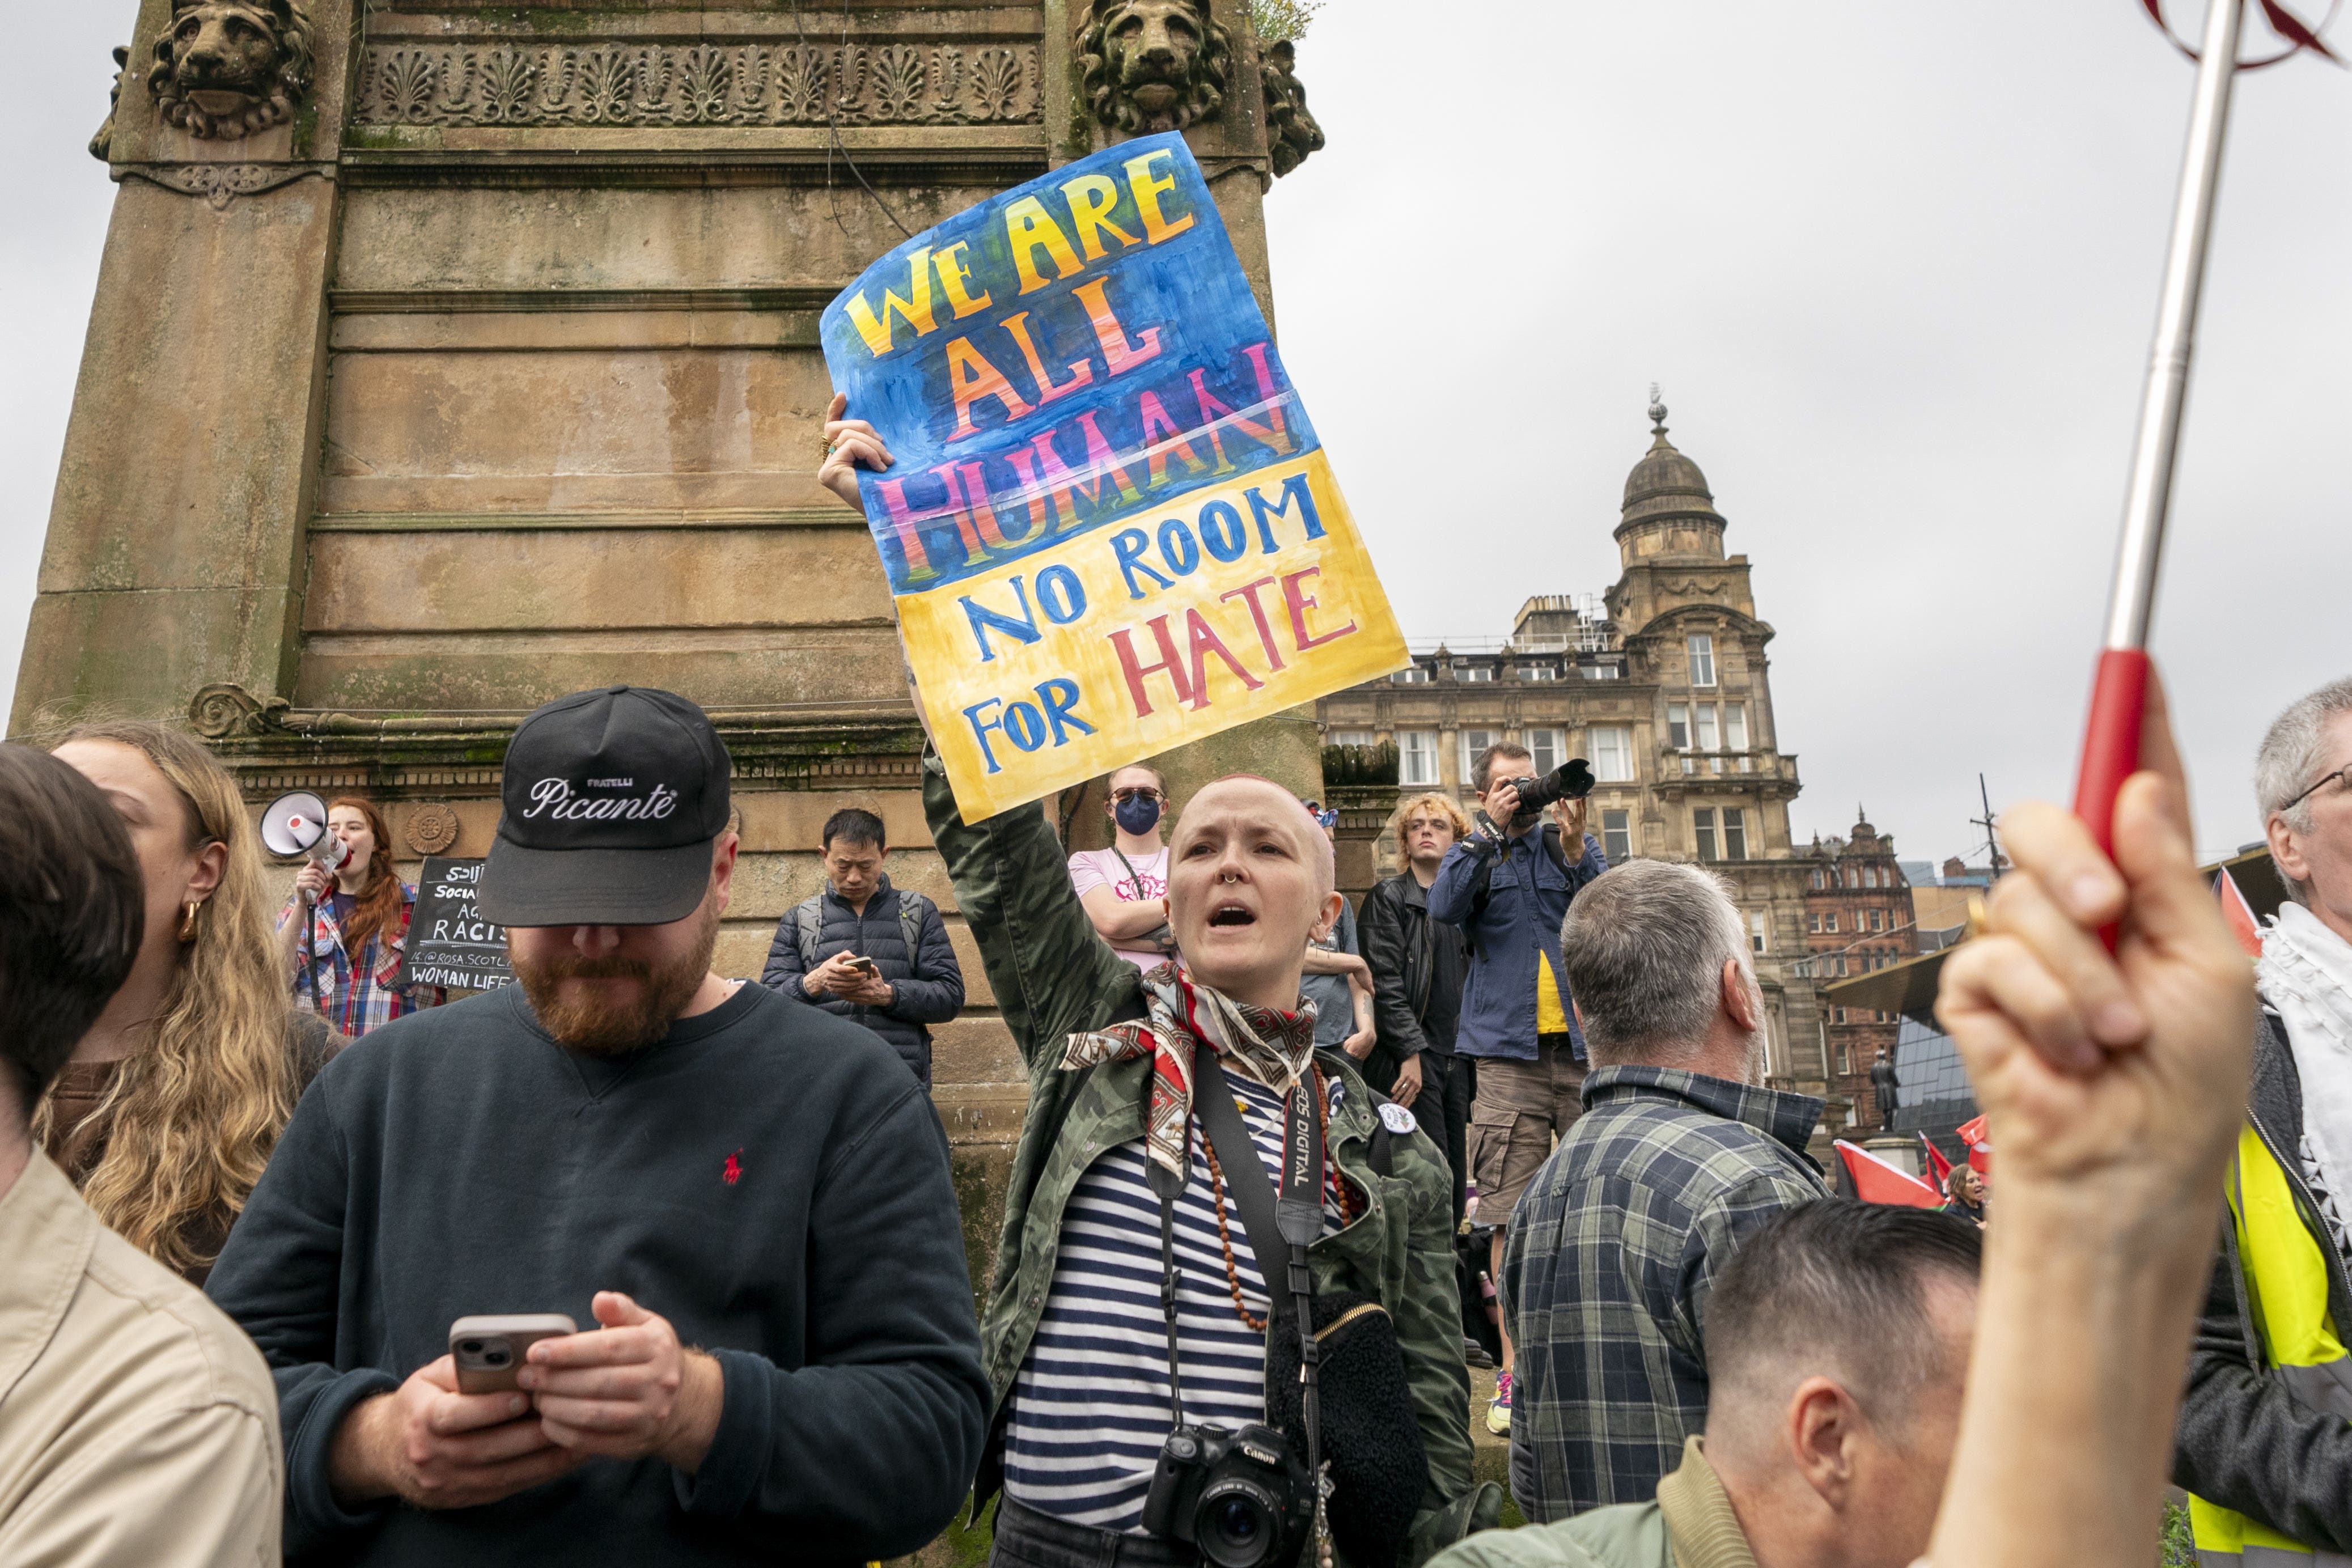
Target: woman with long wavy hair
x=176, y=1097
x=350, y=969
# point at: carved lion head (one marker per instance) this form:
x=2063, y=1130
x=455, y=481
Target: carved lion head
x=229, y=68
x=1153, y=65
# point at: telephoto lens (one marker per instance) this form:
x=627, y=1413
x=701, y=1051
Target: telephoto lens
x=1572, y=780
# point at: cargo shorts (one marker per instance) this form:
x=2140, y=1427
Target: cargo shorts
x=1522, y=1109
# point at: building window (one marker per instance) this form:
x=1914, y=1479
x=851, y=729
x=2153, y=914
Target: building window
x=1603, y=672
x=1702, y=659
x=1617, y=836
x=1829, y=922
x=1613, y=755
x=1416, y=757
x=1878, y=919
x=1472, y=742
x=1703, y=830
x=1704, y=726
x=1814, y=923
x=1735, y=834
x=1550, y=749
x=1817, y=882
x=1351, y=737
x=1735, y=726
x=1688, y=765
x=1538, y=672
x=1474, y=672
x=1412, y=675
x=1677, y=725
x=1757, y=938
x=1845, y=1051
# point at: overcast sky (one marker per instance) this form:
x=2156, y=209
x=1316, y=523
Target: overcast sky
x=1894, y=265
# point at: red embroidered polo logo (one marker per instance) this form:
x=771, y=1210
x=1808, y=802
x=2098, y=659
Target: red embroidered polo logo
x=733, y=1170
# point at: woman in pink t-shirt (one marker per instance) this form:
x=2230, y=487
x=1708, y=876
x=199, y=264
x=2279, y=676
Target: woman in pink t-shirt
x=1125, y=888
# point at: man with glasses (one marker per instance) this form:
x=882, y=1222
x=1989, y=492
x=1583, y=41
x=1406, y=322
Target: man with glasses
x=1124, y=889
x=2264, y=1447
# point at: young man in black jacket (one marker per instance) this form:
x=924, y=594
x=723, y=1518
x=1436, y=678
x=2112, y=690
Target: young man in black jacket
x=913, y=980
x=1418, y=965
x=745, y=1202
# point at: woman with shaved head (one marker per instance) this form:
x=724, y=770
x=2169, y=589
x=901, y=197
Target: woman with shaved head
x=1094, y=1303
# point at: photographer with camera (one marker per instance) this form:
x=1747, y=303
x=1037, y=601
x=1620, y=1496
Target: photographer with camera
x=1506, y=888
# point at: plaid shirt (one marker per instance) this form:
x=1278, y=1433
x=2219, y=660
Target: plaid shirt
x=1607, y=1268
x=357, y=997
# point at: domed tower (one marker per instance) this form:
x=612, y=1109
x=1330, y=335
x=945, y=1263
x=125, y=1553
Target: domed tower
x=1669, y=513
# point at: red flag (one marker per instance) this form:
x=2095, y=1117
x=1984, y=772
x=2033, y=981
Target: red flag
x=1876, y=1182
x=1972, y=1134
x=1939, y=1169
x=2241, y=916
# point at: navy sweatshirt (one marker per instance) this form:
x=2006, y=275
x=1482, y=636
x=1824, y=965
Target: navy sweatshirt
x=769, y=1178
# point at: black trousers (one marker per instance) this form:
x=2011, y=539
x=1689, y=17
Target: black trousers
x=1448, y=1085
x=1027, y=1539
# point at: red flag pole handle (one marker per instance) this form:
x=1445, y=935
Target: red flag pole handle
x=2119, y=699
x=2111, y=740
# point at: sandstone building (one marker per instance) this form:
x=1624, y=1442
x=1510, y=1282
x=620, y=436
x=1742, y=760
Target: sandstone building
x=1859, y=917
x=1663, y=684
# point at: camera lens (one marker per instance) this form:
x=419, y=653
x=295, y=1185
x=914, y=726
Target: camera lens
x=469, y=1347
x=496, y=1358
x=1235, y=1525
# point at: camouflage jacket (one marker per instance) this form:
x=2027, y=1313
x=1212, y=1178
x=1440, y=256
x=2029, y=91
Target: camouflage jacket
x=1053, y=975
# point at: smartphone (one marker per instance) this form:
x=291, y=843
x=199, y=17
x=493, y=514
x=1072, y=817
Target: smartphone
x=488, y=1349
x=863, y=966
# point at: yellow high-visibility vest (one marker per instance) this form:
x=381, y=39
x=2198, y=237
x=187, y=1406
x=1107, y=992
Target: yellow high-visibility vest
x=2286, y=1289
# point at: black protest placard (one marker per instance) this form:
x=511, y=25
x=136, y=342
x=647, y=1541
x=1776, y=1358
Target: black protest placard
x=449, y=943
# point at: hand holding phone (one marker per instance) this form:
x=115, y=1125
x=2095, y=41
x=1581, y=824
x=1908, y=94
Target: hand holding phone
x=864, y=966
x=488, y=1349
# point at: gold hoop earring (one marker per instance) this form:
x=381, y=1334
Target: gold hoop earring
x=188, y=921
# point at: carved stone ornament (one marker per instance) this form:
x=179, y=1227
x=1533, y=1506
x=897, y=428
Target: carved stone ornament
x=101, y=146
x=225, y=69
x=1291, y=133
x=431, y=829
x=697, y=84
x=1153, y=65
x=223, y=710
x=219, y=184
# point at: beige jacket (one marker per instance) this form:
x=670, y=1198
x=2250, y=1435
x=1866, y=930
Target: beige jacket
x=138, y=1424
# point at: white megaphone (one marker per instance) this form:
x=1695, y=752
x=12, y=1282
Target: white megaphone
x=295, y=824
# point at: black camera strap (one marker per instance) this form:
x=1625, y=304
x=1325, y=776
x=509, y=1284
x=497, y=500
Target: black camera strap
x=1279, y=1226
x=1166, y=1184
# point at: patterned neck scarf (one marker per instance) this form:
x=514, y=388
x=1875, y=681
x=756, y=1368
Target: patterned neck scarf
x=1276, y=1049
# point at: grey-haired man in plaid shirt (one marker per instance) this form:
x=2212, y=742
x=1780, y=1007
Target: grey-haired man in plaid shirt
x=1681, y=1152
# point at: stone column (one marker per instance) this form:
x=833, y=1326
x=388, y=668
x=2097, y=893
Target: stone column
x=175, y=556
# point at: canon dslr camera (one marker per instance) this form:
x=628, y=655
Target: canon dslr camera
x=1572, y=780
x=1242, y=1499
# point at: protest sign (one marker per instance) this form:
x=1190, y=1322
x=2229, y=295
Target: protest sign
x=1110, y=528
x=449, y=943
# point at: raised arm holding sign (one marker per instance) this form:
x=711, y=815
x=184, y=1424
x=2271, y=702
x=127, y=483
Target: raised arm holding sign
x=1109, y=526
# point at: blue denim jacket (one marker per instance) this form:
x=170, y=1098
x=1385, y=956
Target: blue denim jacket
x=1527, y=900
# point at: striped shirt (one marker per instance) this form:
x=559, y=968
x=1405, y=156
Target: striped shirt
x=1089, y=1406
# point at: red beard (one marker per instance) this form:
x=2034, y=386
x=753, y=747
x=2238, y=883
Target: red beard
x=596, y=1027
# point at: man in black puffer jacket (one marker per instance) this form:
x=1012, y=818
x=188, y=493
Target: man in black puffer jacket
x=910, y=979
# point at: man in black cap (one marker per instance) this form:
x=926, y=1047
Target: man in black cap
x=745, y=1200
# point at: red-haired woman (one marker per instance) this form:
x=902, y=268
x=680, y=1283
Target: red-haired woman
x=360, y=930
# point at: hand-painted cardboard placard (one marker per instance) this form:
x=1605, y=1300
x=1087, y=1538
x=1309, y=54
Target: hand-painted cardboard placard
x=449, y=943
x=1109, y=528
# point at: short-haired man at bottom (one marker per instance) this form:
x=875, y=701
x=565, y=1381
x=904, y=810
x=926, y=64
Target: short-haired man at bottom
x=1838, y=1341
x=744, y=1201
x=137, y=1425
x=1680, y=1153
